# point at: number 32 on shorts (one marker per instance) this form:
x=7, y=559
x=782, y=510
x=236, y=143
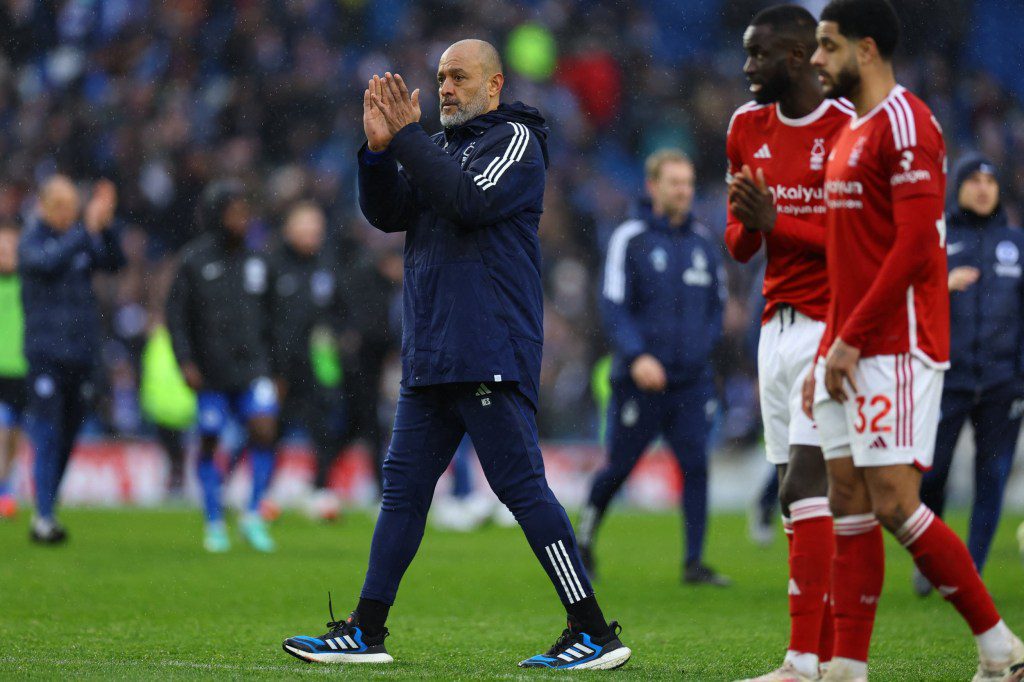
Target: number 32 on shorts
x=870, y=412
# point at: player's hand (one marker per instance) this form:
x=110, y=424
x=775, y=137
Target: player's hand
x=378, y=137
x=393, y=101
x=648, y=374
x=807, y=394
x=193, y=377
x=751, y=201
x=963, y=277
x=840, y=367
x=99, y=212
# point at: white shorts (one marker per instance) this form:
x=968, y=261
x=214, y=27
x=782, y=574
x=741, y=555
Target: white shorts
x=892, y=420
x=785, y=353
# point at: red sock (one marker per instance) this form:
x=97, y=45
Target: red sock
x=858, y=570
x=810, y=562
x=944, y=560
x=828, y=632
x=787, y=529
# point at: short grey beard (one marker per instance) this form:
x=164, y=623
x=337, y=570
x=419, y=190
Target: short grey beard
x=465, y=113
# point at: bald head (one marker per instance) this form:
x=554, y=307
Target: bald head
x=59, y=202
x=479, y=50
x=469, y=80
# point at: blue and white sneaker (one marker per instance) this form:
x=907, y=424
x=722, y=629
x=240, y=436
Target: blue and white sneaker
x=579, y=650
x=344, y=642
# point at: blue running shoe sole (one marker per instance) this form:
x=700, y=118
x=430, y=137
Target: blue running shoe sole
x=334, y=657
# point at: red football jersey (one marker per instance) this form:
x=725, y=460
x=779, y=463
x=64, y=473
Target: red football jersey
x=792, y=153
x=884, y=186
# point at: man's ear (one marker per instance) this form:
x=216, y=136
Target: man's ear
x=494, y=85
x=867, y=50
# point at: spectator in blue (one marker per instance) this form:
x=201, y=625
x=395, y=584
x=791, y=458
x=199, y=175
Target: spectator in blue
x=984, y=383
x=57, y=256
x=662, y=310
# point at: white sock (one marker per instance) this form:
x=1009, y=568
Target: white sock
x=995, y=644
x=806, y=664
x=855, y=668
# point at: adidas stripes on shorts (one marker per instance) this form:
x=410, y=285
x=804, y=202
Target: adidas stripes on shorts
x=892, y=420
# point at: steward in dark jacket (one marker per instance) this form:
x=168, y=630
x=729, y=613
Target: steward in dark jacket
x=984, y=381
x=218, y=311
x=218, y=314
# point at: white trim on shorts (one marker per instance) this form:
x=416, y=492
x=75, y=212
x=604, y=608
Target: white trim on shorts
x=892, y=420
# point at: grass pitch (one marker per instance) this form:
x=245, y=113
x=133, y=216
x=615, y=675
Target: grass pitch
x=133, y=595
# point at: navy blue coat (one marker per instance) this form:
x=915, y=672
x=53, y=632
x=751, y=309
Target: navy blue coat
x=663, y=295
x=469, y=200
x=62, y=318
x=987, y=319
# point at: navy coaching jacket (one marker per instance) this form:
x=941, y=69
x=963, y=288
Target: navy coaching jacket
x=62, y=318
x=662, y=295
x=986, y=319
x=469, y=200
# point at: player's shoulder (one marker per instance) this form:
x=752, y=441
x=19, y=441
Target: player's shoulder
x=841, y=110
x=626, y=233
x=748, y=113
x=910, y=121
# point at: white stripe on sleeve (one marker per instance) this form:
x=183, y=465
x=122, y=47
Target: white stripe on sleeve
x=513, y=153
x=615, y=260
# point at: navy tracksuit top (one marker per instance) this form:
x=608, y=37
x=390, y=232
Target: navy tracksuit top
x=469, y=200
x=62, y=317
x=987, y=319
x=662, y=294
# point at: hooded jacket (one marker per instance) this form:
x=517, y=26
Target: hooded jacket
x=469, y=200
x=986, y=319
x=218, y=312
x=662, y=294
x=62, y=317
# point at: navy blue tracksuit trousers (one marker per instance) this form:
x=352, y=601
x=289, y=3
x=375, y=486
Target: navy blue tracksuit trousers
x=996, y=418
x=58, y=398
x=683, y=415
x=429, y=424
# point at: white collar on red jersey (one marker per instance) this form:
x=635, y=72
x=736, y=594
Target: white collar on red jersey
x=896, y=90
x=804, y=120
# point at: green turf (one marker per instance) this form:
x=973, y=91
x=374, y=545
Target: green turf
x=133, y=595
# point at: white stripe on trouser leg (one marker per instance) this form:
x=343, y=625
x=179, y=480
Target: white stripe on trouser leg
x=554, y=565
x=576, y=594
x=572, y=570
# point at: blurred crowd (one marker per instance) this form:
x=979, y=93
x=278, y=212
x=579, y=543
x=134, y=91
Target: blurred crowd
x=165, y=97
